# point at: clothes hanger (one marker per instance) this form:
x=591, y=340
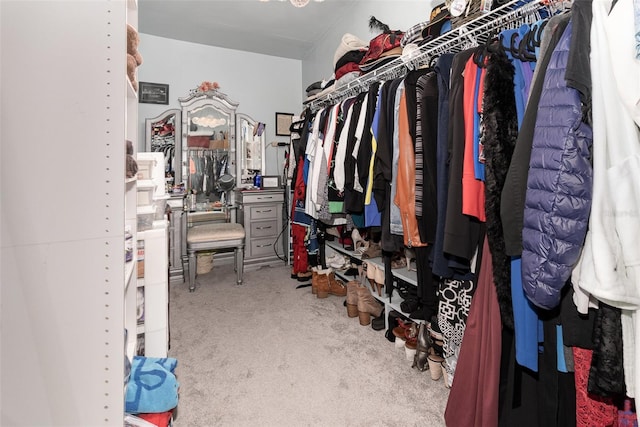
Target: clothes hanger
x=526, y=53
x=480, y=54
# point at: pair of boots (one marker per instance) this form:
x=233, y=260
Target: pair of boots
x=375, y=276
x=324, y=282
x=428, y=353
x=406, y=337
x=361, y=303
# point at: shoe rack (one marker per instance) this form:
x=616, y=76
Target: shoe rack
x=399, y=274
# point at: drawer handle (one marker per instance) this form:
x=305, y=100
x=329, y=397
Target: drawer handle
x=263, y=228
x=266, y=197
x=268, y=210
x=263, y=246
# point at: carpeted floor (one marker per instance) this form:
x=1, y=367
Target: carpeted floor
x=268, y=354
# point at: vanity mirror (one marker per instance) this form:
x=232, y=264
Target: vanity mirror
x=250, y=151
x=208, y=142
x=162, y=134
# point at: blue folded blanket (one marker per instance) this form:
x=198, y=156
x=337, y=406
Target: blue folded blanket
x=152, y=386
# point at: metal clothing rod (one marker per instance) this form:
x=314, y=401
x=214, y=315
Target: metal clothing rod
x=510, y=15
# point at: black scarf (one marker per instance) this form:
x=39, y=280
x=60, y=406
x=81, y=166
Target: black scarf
x=500, y=131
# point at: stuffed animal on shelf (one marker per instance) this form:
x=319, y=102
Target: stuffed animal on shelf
x=131, y=165
x=134, y=59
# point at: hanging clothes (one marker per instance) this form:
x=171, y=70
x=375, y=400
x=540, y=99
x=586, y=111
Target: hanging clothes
x=461, y=231
x=559, y=186
x=500, y=129
x=476, y=382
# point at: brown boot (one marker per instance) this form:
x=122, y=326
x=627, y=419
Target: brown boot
x=327, y=284
x=367, y=306
x=321, y=282
x=315, y=271
x=352, y=298
x=336, y=287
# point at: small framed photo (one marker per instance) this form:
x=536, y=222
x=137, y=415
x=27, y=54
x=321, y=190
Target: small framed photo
x=270, y=181
x=153, y=93
x=283, y=122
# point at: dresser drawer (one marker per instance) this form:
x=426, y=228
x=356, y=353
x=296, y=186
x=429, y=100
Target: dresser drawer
x=258, y=197
x=263, y=212
x=262, y=247
x=264, y=228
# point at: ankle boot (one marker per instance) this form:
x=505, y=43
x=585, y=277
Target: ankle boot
x=327, y=284
x=314, y=280
x=370, y=270
x=411, y=343
x=420, y=360
x=318, y=275
x=352, y=298
x=336, y=287
x=367, y=306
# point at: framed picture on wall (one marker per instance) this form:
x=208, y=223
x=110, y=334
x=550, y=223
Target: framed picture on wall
x=283, y=122
x=153, y=93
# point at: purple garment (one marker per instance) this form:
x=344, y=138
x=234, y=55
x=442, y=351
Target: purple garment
x=559, y=186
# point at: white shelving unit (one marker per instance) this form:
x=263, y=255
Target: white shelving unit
x=155, y=326
x=67, y=293
x=153, y=234
x=390, y=303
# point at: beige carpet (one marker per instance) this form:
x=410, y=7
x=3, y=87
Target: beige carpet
x=268, y=354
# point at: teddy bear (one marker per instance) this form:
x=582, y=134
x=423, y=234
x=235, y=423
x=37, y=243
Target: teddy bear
x=131, y=165
x=134, y=59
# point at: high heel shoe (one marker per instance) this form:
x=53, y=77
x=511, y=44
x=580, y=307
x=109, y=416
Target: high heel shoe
x=367, y=306
x=358, y=241
x=345, y=238
x=379, y=280
x=420, y=360
x=370, y=270
x=410, y=255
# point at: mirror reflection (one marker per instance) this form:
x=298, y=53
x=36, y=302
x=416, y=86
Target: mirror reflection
x=208, y=128
x=251, y=149
x=208, y=125
x=162, y=133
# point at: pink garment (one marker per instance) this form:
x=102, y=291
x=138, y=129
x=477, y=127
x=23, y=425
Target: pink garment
x=591, y=411
x=473, y=400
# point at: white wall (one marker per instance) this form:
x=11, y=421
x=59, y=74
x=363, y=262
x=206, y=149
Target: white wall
x=263, y=85
x=397, y=14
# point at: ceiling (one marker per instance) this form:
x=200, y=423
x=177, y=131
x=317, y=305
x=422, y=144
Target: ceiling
x=272, y=27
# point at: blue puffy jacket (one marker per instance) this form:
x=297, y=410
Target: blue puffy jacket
x=559, y=186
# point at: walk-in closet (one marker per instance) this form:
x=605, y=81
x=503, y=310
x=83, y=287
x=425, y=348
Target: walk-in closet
x=320, y=213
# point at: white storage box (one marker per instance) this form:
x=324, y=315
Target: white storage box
x=145, y=168
x=146, y=216
x=146, y=190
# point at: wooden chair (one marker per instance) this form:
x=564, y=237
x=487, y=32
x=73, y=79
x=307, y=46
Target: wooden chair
x=218, y=236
